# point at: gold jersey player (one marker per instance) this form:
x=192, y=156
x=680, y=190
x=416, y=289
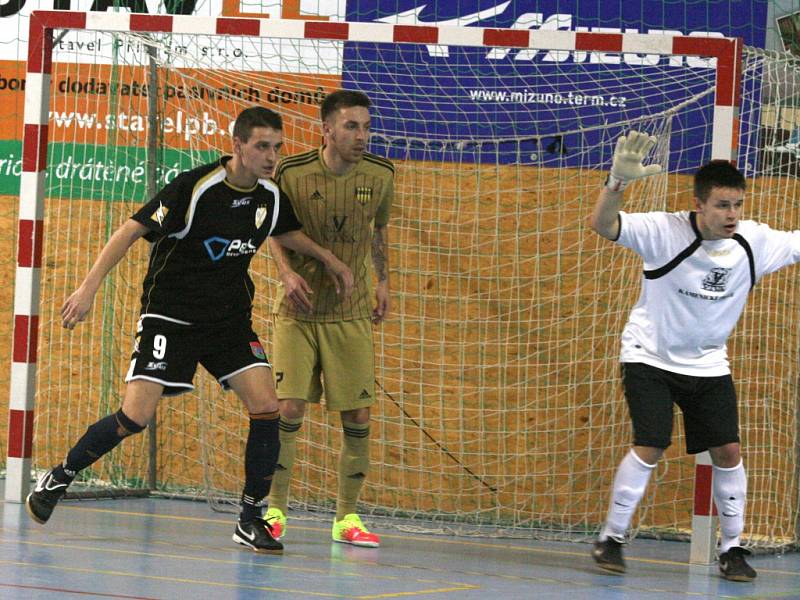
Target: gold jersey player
x=342, y=194
x=204, y=227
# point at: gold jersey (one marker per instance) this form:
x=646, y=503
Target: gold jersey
x=338, y=212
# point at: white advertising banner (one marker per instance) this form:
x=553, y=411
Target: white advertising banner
x=251, y=55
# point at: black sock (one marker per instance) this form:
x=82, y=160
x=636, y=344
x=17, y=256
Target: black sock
x=99, y=439
x=61, y=475
x=260, y=457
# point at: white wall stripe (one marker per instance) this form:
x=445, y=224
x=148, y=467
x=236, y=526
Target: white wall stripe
x=722, y=132
x=18, y=479
x=647, y=44
x=108, y=21
x=27, y=289
x=553, y=40
x=35, y=107
x=22, y=380
x=704, y=540
x=371, y=32
x=29, y=185
x=467, y=36
x=187, y=24
x=280, y=28
x=703, y=458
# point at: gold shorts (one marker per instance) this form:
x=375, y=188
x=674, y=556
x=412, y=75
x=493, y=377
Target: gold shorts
x=308, y=356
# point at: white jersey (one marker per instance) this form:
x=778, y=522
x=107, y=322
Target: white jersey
x=694, y=290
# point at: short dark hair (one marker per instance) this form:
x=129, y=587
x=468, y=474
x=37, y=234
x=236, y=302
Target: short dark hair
x=343, y=99
x=255, y=116
x=717, y=173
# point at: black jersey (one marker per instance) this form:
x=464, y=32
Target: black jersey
x=204, y=233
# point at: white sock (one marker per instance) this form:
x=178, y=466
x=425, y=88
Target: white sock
x=730, y=492
x=630, y=483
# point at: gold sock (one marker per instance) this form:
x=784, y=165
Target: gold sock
x=353, y=466
x=279, y=494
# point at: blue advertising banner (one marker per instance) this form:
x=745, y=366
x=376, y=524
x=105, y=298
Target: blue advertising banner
x=540, y=107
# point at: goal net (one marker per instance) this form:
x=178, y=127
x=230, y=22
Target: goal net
x=499, y=400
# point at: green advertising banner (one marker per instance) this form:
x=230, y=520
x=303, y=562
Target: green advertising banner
x=91, y=172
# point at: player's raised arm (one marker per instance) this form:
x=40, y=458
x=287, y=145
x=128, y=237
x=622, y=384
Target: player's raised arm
x=626, y=166
x=79, y=303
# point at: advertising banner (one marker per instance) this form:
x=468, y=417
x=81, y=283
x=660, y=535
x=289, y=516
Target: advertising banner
x=541, y=107
x=94, y=172
x=107, y=107
x=99, y=87
x=432, y=102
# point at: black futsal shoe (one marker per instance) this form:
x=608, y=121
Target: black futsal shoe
x=44, y=497
x=608, y=555
x=734, y=567
x=256, y=534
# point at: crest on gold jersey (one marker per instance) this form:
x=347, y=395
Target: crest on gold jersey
x=160, y=214
x=261, y=214
x=363, y=195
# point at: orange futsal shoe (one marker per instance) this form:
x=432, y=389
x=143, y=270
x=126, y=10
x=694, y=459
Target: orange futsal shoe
x=350, y=530
x=277, y=522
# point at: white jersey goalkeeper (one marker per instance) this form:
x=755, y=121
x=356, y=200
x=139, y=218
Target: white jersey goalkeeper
x=698, y=269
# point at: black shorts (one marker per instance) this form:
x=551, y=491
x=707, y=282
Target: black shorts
x=167, y=351
x=708, y=404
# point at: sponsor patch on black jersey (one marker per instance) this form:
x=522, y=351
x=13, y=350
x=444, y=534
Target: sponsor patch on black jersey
x=258, y=350
x=261, y=214
x=160, y=214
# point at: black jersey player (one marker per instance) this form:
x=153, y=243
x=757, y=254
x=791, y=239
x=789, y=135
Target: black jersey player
x=204, y=228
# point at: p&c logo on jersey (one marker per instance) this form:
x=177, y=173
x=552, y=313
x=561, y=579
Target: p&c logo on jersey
x=363, y=195
x=219, y=248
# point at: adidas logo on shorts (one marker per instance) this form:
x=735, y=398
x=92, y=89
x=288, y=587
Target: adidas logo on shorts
x=364, y=395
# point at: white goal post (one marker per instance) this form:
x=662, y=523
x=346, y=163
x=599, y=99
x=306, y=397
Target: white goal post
x=396, y=365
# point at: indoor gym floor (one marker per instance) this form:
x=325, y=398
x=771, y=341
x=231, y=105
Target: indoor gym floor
x=159, y=548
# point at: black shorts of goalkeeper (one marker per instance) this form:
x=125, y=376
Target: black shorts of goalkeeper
x=708, y=405
x=167, y=351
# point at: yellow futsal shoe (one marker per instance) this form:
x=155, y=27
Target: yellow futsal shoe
x=277, y=522
x=350, y=530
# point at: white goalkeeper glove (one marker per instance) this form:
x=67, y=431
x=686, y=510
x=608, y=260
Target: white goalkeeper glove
x=628, y=156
